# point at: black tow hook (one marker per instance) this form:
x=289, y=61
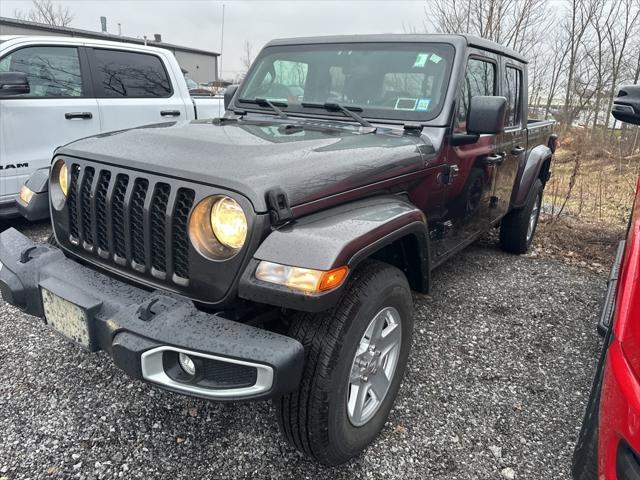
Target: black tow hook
x=32, y=252
x=153, y=307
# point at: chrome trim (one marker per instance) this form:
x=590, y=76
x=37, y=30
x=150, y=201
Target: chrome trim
x=153, y=371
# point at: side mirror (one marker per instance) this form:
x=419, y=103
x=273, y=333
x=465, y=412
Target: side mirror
x=228, y=95
x=626, y=106
x=486, y=115
x=13, y=83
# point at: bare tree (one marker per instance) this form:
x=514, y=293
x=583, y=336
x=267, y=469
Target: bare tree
x=581, y=13
x=247, y=55
x=45, y=11
x=518, y=24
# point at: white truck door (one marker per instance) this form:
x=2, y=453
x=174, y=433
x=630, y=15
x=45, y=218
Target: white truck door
x=134, y=89
x=58, y=110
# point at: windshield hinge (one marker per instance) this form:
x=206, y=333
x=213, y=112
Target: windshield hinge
x=411, y=127
x=278, y=205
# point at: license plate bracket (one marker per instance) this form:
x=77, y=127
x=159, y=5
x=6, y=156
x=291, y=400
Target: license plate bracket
x=70, y=315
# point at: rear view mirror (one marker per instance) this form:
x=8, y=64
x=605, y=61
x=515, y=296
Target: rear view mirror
x=626, y=106
x=13, y=83
x=486, y=115
x=228, y=95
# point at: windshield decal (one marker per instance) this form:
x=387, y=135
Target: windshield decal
x=406, y=104
x=421, y=60
x=423, y=104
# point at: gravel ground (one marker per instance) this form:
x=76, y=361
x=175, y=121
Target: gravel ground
x=503, y=353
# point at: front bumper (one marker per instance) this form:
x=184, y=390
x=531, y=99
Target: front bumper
x=141, y=330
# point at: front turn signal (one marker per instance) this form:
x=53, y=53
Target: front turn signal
x=303, y=279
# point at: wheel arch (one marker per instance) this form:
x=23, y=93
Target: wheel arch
x=389, y=229
x=538, y=165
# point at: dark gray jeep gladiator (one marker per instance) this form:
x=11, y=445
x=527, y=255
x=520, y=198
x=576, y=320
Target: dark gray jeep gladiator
x=271, y=253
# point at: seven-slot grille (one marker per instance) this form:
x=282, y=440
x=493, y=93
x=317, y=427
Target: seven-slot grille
x=131, y=221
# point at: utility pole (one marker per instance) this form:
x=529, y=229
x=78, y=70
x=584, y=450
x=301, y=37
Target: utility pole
x=221, y=45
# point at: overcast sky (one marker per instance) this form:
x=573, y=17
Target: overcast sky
x=197, y=23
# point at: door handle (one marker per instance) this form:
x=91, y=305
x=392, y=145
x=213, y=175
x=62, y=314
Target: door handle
x=81, y=115
x=170, y=113
x=494, y=159
x=517, y=151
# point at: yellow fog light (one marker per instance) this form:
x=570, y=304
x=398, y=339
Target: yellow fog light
x=229, y=222
x=304, y=279
x=26, y=194
x=63, y=178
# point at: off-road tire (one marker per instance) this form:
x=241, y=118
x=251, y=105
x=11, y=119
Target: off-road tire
x=514, y=226
x=314, y=418
x=585, y=455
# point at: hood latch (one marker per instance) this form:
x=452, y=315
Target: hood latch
x=278, y=205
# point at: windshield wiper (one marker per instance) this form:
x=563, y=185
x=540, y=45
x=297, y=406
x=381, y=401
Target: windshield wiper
x=349, y=111
x=263, y=102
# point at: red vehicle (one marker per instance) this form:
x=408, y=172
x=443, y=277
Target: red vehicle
x=609, y=444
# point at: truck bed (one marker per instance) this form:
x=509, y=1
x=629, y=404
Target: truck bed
x=539, y=131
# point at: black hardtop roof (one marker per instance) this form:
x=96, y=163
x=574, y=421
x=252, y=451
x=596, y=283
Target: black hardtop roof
x=457, y=39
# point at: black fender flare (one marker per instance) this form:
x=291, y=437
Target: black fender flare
x=530, y=172
x=343, y=235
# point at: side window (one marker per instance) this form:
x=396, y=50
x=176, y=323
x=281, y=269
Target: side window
x=51, y=71
x=129, y=74
x=480, y=79
x=513, y=91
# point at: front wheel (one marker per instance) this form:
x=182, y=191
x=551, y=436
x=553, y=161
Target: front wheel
x=519, y=226
x=355, y=358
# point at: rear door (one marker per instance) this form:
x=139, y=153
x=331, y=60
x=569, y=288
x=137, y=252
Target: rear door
x=511, y=145
x=60, y=108
x=134, y=88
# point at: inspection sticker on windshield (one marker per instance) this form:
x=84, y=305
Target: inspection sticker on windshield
x=423, y=104
x=435, y=58
x=421, y=60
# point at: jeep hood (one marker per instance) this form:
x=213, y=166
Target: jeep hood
x=253, y=157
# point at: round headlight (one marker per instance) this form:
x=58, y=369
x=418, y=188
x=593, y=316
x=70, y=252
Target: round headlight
x=229, y=222
x=63, y=178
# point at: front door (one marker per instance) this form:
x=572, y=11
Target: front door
x=470, y=181
x=58, y=109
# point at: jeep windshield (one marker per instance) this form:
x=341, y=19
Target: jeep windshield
x=388, y=81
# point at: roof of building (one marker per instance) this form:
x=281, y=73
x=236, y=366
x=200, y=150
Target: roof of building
x=100, y=35
x=455, y=38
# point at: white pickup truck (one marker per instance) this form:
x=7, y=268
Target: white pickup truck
x=54, y=90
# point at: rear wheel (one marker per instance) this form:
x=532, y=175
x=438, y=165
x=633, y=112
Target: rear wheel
x=518, y=227
x=355, y=358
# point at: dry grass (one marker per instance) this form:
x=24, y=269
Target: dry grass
x=578, y=242
x=593, y=185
